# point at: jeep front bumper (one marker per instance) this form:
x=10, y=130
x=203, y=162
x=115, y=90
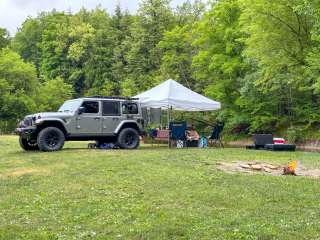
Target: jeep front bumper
x=26, y=132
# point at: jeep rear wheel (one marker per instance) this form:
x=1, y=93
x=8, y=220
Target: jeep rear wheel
x=28, y=144
x=128, y=139
x=50, y=139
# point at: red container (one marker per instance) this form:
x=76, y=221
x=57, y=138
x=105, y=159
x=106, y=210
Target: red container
x=279, y=141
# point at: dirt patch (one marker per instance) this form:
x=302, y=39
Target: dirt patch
x=264, y=168
x=240, y=143
x=25, y=171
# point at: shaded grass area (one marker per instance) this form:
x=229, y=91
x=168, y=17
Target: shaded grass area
x=152, y=193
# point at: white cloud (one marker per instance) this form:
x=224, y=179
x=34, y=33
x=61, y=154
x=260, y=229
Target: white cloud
x=14, y=12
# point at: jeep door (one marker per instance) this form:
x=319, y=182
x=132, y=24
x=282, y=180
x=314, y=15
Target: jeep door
x=88, y=123
x=130, y=110
x=111, y=116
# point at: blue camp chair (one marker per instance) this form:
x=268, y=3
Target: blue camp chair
x=215, y=137
x=178, y=131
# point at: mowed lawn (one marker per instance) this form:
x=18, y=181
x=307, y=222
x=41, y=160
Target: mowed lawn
x=152, y=193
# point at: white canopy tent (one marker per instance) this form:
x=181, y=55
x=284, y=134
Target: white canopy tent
x=173, y=95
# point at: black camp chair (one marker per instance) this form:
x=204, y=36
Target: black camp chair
x=178, y=132
x=215, y=138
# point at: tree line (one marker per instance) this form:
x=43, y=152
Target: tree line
x=259, y=58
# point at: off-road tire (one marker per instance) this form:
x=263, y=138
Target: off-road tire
x=50, y=139
x=128, y=138
x=27, y=144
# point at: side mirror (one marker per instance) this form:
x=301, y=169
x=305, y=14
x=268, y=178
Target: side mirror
x=81, y=110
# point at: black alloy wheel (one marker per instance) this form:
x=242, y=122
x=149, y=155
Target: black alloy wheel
x=50, y=139
x=128, y=139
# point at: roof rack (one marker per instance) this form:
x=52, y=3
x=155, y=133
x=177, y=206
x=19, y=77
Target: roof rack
x=113, y=97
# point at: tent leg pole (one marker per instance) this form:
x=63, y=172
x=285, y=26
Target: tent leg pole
x=168, y=117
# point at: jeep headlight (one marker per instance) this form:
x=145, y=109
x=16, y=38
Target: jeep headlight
x=39, y=121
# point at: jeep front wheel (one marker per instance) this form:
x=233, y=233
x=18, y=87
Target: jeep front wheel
x=50, y=139
x=28, y=144
x=128, y=139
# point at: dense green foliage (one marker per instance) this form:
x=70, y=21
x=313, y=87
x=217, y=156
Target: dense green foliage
x=259, y=58
x=17, y=83
x=4, y=38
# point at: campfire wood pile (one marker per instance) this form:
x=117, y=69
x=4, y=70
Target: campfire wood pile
x=260, y=166
x=250, y=167
x=254, y=167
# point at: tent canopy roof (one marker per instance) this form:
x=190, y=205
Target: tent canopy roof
x=171, y=94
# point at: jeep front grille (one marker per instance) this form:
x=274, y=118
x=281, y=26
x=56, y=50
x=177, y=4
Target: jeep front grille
x=26, y=122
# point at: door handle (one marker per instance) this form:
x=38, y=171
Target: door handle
x=96, y=118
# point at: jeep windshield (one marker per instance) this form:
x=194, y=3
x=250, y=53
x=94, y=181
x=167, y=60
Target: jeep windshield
x=70, y=106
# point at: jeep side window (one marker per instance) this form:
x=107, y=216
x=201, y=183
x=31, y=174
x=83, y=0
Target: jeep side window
x=111, y=108
x=90, y=107
x=130, y=108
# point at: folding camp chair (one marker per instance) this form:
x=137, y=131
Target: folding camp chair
x=178, y=132
x=215, y=138
x=160, y=136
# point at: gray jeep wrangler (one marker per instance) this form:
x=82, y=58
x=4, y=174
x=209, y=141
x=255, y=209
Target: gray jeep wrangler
x=103, y=119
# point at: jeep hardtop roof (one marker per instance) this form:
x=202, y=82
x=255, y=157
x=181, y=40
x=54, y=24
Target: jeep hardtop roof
x=110, y=98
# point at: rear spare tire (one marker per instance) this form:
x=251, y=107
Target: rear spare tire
x=50, y=139
x=128, y=138
x=28, y=144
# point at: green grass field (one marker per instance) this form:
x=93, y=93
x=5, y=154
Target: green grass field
x=152, y=193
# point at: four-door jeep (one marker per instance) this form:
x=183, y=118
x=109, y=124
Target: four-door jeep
x=103, y=119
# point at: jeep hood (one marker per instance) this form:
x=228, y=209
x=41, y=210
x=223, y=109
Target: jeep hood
x=52, y=115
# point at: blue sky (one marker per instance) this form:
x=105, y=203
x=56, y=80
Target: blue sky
x=14, y=12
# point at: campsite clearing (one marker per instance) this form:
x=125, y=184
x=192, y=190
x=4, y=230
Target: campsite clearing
x=152, y=193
